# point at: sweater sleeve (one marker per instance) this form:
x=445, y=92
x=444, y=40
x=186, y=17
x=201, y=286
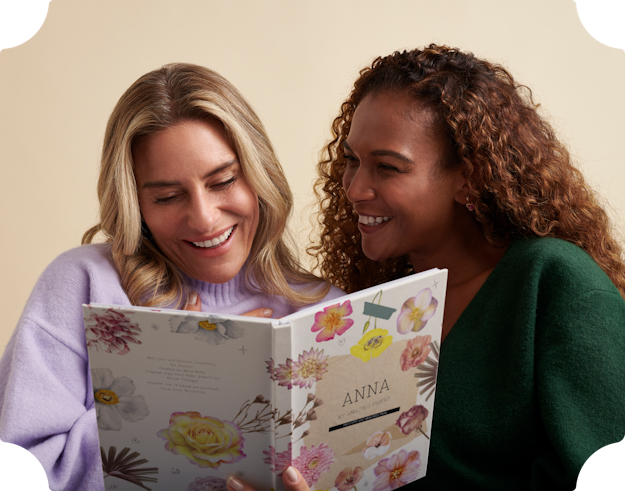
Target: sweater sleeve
x=44, y=408
x=46, y=401
x=580, y=380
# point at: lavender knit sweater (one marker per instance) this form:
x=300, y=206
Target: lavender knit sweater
x=46, y=401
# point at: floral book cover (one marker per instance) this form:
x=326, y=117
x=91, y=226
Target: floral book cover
x=343, y=390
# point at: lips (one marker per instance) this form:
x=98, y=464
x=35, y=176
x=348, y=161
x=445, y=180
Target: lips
x=216, y=241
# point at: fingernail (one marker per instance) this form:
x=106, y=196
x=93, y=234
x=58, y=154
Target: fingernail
x=235, y=484
x=192, y=298
x=267, y=312
x=291, y=474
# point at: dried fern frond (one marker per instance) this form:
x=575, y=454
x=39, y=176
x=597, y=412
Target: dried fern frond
x=123, y=466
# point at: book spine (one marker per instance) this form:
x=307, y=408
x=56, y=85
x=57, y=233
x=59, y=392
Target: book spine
x=281, y=395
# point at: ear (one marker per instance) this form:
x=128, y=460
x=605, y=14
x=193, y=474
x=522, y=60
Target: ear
x=462, y=189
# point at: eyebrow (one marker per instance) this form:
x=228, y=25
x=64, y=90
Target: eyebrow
x=383, y=153
x=165, y=184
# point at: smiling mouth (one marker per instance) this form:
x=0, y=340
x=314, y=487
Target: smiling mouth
x=216, y=242
x=372, y=221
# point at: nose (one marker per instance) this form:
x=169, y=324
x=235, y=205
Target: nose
x=204, y=212
x=358, y=184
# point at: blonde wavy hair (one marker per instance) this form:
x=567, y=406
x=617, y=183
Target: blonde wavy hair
x=155, y=102
x=519, y=175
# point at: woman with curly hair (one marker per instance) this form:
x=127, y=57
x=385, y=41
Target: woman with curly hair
x=440, y=159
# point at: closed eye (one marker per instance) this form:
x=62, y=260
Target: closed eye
x=167, y=200
x=388, y=168
x=221, y=186
x=350, y=159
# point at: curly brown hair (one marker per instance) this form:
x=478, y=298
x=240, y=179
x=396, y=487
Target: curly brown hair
x=520, y=176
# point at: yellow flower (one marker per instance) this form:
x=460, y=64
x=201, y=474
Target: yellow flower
x=205, y=441
x=371, y=344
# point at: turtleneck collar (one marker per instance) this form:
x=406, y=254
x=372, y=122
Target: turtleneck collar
x=221, y=295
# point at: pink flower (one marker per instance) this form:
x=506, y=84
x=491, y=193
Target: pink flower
x=412, y=419
x=416, y=312
x=278, y=462
x=397, y=470
x=348, y=478
x=314, y=462
x=377, y=444
x=271, y=370
x=417, y=350
x=284, y=374
x=111, y=332
x=309, y=368
x=331, y=321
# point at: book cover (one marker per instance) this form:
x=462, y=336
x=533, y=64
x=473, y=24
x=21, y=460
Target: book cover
x=342, y=390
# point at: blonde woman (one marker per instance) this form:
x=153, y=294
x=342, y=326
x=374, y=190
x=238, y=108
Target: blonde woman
x=193, y=210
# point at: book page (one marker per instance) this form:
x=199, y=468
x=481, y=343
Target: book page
x=362, y=381
x=182, y=399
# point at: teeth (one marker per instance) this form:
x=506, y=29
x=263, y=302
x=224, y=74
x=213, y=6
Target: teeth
x=372, y=221
x=216, y=241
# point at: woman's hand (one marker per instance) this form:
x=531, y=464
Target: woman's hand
x=194, y=304
x=291, y=478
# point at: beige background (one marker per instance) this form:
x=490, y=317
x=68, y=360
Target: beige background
x=295, y=61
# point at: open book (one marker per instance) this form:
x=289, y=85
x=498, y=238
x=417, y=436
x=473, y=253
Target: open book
x=343, y=390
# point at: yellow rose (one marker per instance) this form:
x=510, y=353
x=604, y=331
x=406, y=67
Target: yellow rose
x=205, y=441
x=371, y=344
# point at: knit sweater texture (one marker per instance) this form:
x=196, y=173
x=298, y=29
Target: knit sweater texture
x=531, y=378
x=46, y=400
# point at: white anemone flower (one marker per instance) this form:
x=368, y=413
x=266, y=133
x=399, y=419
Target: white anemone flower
x=416, y=312
x=210, y=329
x=114, y=400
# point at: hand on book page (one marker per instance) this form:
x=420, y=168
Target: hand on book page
x=194, y=304
x=291, y=478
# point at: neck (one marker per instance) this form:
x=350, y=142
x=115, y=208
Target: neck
x=469, y=259
x=464, y=252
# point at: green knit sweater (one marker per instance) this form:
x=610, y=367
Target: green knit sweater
x=531, y=379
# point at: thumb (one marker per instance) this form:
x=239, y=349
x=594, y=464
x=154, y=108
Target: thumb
x=262, y=312
x=194, y=304
x=293, y=480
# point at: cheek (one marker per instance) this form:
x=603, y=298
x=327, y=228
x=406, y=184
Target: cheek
x=347, y=180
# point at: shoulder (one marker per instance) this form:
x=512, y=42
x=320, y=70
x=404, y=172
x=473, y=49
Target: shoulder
x=333, y=293
x=88, y=256
x=556, y=264
x=79, y=276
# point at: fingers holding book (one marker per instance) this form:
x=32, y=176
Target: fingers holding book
x=291, y=478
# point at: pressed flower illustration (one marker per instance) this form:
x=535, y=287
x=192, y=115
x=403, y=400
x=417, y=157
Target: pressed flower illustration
x=111, y=332
x=208, y=483
x=283, y=374
x=211, y=329
x=428, y=371
x=372, y=344
x=309, y=368
x=416, y=312
x=332, y=321
x=377, y=444
x=205, y=441
x=271, y=370
x=314, y=462
x=397, y=470
x=114, y=400
x=348, y=478
x=278, y=461
x=124, y=466
x=412, y=419
x=415, y=353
